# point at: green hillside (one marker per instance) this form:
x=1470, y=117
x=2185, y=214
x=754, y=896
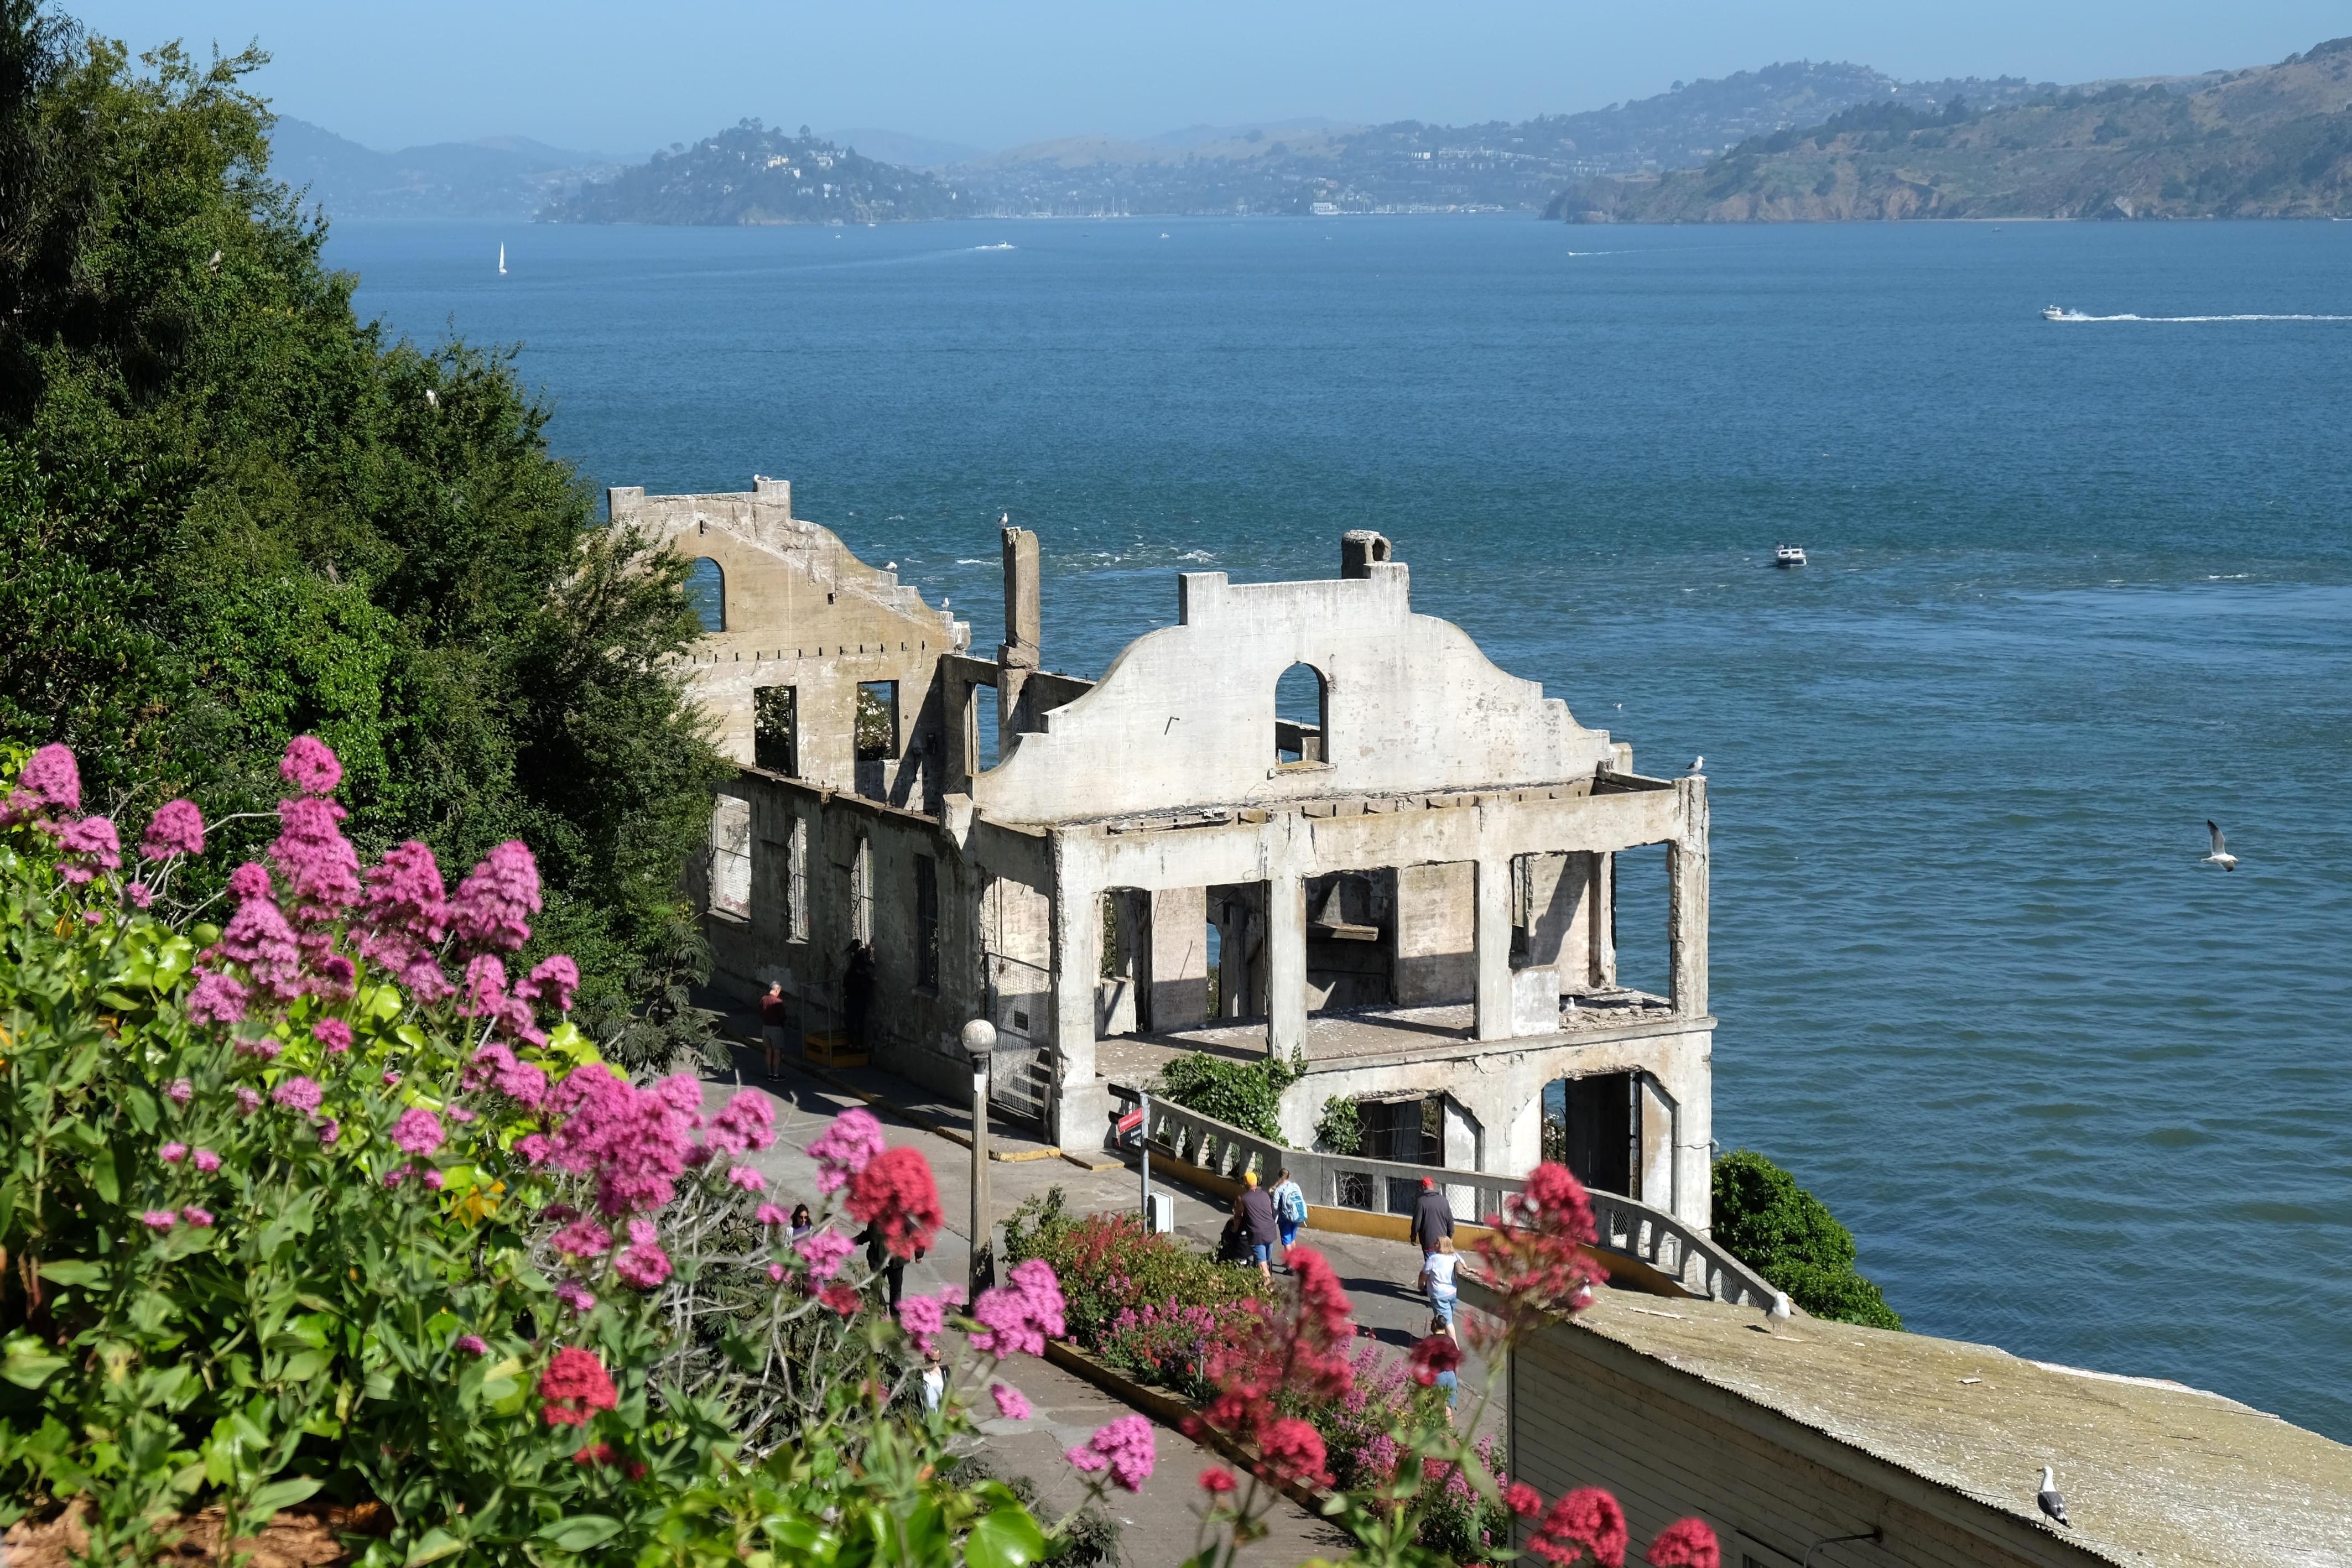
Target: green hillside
x=2275, y=141
x=751, y=174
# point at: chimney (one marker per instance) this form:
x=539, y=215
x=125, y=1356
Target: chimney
x=1359, y=548
x=1017, y=657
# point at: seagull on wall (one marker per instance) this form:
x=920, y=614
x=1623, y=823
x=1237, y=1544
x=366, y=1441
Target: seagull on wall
x=2221, y=856
x=1697, y=765
x=2052, y=1503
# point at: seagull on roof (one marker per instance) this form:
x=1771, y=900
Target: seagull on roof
x=2052, y=1503
x=2221, y=856
x=1780, y=1312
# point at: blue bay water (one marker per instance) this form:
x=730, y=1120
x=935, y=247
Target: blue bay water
x=2076, y=587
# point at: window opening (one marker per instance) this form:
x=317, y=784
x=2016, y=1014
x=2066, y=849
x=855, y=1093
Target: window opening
x=877, y=720
x=984, y=719
x=731, y=856
x=706, y=593
x=1639, y=933
x=927, y=921
x=796, y=910
x=1593, y=1126
x=1300, y=712
x=776, y=729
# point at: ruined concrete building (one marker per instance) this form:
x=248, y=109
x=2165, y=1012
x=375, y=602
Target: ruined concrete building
x=1406, y=877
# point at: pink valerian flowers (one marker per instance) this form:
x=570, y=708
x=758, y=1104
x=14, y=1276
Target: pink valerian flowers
x=634, y=1142
x=1300, y=1353
x=248, y=1099
x=471, y=1343
x=404, y=915
x=845, y=1148
x=201, y=1218
x=418, y=1132
x=489, y=906
x=1011, y=1402
x=258, y=938
x=320, y=868
x=1586, y=1519
x=172, y=1153
x=1019, y=1316
x=159, y=1220
x=924, y=1318
x=1124, y=1447
x=51, y=780
x=1433, y=1356
x=332, y=1033
x=329, y=1131
x=895, y=1195
x=1686, y=1543
x=218, y=999
x=581, y=1238
x=495, y=1066
x=575, y=1295
x=138, y=895
x=250, y=880
x=311, y=766
x=552, y=980
x=486, y=996
x=642, y=1263
x=177, y=828
x=770, y=1215
x=206, y=1161
x=825, y=1251
x=1535, y=1253
x=747, y=1122
x=298, y=1094
x=180, y=1091
x=89, y=846
x=746, y=1178
x=574, y=1387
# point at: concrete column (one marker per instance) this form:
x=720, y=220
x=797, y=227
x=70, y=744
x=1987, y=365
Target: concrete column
x=1601, y=914
x=1078, y=1099
x=1492, y=948
x=1285, y=952
x=1686, y=893
x=1017, y=657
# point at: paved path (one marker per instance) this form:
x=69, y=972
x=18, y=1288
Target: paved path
x=1160, y=1521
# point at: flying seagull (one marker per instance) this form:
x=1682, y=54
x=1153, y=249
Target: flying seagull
x=2221, y=856
x=2052, y=1503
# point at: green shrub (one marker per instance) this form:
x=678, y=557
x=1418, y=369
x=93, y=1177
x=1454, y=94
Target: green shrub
x=1108, y=1264
x=1340, y=1129
x=1783, y=1232
x=1244, y=1095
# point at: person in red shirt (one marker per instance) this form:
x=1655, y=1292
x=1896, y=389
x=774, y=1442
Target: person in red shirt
x=772, y=1028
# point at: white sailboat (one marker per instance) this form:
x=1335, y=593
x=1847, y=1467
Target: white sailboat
x=502, y=260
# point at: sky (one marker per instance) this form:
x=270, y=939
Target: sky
x=605, y=76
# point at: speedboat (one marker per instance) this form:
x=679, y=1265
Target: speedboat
x=2053, y=313
x=1789, y=555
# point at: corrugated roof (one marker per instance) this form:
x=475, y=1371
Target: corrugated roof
x=2153, y=1472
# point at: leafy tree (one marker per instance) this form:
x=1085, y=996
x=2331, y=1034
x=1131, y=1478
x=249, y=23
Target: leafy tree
x=231, y=512
x=1785, y=1233
x=1244, y=1095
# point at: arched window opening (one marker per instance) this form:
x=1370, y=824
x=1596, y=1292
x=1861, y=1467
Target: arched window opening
x=706, y=593
x=1301, y=717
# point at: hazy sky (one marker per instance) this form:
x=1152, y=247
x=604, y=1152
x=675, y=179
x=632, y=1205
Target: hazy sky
x=604, y=75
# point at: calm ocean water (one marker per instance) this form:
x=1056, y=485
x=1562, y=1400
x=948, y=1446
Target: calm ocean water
x=2076, y=587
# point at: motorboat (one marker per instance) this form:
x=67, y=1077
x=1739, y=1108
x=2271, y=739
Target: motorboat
x=2053, y=313
x=1789, y=555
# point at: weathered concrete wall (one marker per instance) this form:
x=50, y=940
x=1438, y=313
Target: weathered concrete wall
x=1185, y=715
x=802, y=612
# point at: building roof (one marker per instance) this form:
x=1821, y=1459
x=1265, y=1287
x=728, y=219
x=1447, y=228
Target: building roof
x=2152, y=1472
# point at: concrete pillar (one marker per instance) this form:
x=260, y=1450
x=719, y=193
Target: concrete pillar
x=1491, y=947
x=1459, y=1150
x=1686, y=893
x=1018, y=656
x=1285, y=957
x=1600, y=918
x=1078, y=1099
x=1179, y=958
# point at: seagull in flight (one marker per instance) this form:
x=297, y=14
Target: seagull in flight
x=2052, y=1503
x=2221, y=856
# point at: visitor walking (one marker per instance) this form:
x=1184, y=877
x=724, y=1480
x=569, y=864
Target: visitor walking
x=1289, y=1212
x=772, y=1029
x=1254, y=1209
x=1437, y=1278
x=802, y=1222
x=1432, y=1217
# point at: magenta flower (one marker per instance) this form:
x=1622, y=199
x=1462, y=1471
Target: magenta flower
x=298, y=1094
x=265, y=1048
x=471, y=1343
x=924, y=1318
x=433, y=1180
x=1011, y=1402
x=332, y=1033
x=644, y=1265
x=259, y=939
x=138, y=895
x=846, y=1148
x=398, y=1174
x=634, y=1142
x=494, y=1065
x=776, y=1274
x=207, y=1161
x=93, y=846
x=748, y=1179
x=217, y=999
x=329, y=1131
x=746, y=1122
x=554, y=981
x=52, y=779
x=247, y=1101
x=172, y=1153
x=311, y=766
x=825, y=1251
x=321, y=869
x=180, y=1091
x=201, y=1218
x=581, y=1238
x=1124, y=1447
x=418, y=1132
x=250, y=880
x=576, y=1296
x=488, y=907
x=1020, y=1316
x=392, y=1078
x=534, y=1147
x=769, y=1214
x=176, y=829
x=159, y=1220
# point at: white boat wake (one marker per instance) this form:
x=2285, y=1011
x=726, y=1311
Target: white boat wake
x=2079, y=315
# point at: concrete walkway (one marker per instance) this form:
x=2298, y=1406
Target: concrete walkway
x=1160, y=1520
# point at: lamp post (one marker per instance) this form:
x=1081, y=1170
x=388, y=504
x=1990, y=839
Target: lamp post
x=979, y=1044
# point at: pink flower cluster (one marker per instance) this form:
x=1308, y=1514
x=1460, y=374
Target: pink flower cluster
x=1298, y=1358
x=418, y=1132
x=634, y=1142
x=924, y=1318
x=897, y=1196
x=495, y=1066
x=825, y=1251
x=845, y=1148
x=642, y=1263
x=1018, y=1317
x=1124, y=1447
x=1535, y=1253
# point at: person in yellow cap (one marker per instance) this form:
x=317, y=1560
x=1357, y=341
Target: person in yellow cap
x=1255, y=1209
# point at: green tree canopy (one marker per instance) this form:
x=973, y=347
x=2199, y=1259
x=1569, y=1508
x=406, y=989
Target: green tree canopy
x=1786, y=1234
x=231, y=511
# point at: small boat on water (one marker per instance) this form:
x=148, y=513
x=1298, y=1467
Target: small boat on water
x=502, y=261
x=2053, y=313
x=1789, y=555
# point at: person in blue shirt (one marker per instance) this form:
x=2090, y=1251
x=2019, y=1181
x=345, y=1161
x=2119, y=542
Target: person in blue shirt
x=1289, y=1212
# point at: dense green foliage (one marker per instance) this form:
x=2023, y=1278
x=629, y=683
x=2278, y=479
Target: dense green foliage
x=1244, y=1095
x=1340, y=1129
x=1784, y=1232
x=231, y=512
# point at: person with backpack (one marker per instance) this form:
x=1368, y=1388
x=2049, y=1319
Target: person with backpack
x=1289, y=1212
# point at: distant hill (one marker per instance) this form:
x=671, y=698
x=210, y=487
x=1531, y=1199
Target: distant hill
x=1298, y=166
x=2274, y=141
x=497, y=177
x=751, y=174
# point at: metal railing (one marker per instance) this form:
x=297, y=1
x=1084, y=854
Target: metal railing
x=1625, y=1226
